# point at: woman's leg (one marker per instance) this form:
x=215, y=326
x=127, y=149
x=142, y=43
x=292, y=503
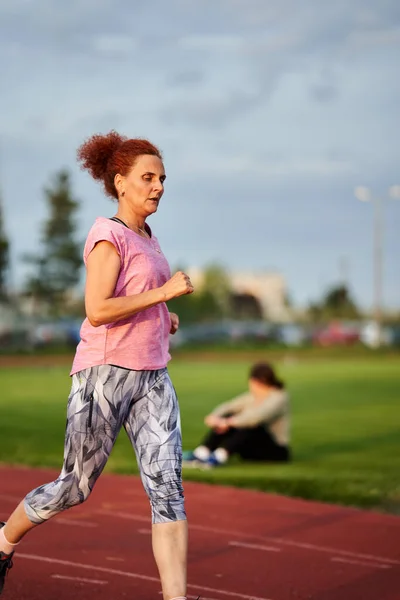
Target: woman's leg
x=214, y=440
x=210, y=443
x=93, y=422
x=153, y=426
x=170, y=545
x=259, y=445
x=16, y=527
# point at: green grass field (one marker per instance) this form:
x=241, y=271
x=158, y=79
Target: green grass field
x=346, y=425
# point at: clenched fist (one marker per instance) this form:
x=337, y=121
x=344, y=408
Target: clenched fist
x=178, y=285
x=174, y=322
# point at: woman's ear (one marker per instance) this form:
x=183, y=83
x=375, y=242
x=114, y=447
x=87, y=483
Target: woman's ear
x=119, y=184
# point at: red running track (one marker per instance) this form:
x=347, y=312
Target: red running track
x=244, y=545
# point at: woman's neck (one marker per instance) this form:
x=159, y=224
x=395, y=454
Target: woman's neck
x=261, y=392
x=132, y=221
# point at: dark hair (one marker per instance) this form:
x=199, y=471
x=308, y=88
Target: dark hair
x=104, y=156
x=264, y=373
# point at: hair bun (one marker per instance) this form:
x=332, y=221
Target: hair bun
x=97, y=150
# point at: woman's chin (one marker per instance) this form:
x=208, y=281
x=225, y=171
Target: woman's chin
x=152, y=209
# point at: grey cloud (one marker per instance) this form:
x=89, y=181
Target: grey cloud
x=213, y=16
x=111, y=25
x=103, y=122
x=212, y=112
x=186, y=78
x=91, y=35
x=47, y=23
x=324, y=92
x=312, y=37
x=326, y=88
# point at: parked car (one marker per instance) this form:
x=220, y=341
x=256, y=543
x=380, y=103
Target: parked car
x=372, y=337
x=337, y=334
x=292, y=334
x=52, y=333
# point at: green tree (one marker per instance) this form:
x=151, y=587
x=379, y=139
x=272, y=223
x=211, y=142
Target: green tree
x=337, y=303
x=57, y=266
x=216, y=284
x=210, y=302
x=4, y=257
x=338, y=300
x=196, y=308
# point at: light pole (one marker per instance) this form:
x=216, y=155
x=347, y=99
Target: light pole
x=365, y=195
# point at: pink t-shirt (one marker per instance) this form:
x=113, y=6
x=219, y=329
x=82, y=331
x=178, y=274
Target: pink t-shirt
x=140, y=342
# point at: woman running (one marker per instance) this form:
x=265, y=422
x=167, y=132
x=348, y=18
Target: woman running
x=119, y=373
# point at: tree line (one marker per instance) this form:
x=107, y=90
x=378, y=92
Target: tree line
x=55, y=268
x=55, y=272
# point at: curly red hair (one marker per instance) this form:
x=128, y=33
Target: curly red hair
x=104, y=156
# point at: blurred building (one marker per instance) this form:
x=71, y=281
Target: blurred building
x=8, y=316
x=268, y=288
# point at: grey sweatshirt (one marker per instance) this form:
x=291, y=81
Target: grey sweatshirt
x=273, y=413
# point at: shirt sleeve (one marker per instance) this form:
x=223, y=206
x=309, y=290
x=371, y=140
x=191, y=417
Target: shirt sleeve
x=102, y=233
x=274, y=406
x=232, y=406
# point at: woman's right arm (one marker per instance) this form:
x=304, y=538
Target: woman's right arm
x=231, y=407
x=103, y=266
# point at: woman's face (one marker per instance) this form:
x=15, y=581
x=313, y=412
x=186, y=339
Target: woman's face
x=257, y=388
x=143, y=186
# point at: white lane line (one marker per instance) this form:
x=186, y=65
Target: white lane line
x=344, y=553
x=361, y=563
x=80, y=579
x=285, y=542
x=254, y=546
x=195, y=597
x=144, y=531
x=62, y=521
x=68, y=563
x=115, y=559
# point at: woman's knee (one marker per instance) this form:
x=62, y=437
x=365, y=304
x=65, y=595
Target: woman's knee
x=48, y=500
x=167, y=501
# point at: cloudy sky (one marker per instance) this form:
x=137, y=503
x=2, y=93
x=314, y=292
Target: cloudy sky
x=268, y=115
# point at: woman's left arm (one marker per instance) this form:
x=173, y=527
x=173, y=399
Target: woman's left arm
x=269, y=410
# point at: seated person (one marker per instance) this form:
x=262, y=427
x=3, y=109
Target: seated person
x=254, y=425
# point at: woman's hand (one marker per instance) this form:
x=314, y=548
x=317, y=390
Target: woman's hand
x=218, y=424
x=178, y=285
x=222, y=426
x=211, y=421
x=174, y=323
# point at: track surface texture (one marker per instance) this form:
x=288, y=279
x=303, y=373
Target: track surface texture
x=244, y=545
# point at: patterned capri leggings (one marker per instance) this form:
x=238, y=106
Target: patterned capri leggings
x=102, y=400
